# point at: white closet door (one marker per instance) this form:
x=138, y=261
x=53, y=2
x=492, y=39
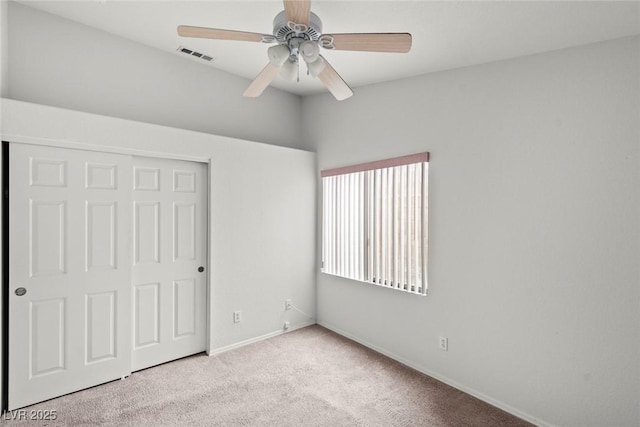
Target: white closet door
x=70, y=271
x=169, y=249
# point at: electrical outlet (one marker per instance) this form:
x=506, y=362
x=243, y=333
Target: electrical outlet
x=287, y=304
x=443, y=344
x=236, y=317
x=286, y=326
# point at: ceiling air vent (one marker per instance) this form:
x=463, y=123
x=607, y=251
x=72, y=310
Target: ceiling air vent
x=194, y=53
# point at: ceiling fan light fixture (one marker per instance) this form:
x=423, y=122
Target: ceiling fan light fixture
x=278, y=54
x=298, y=34
x=309, y=50
x=289, y=70
x=316, y=67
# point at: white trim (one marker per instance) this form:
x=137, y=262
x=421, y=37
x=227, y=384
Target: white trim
x=209, y=262
x=229, y=347
x=452, y=383
x=101, y=148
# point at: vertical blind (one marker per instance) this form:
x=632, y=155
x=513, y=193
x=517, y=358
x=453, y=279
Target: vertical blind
x=375, y=222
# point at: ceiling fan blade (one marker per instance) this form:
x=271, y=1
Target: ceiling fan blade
x=218, y=34
x=370, y=42
x=332, y=80
x=261, y=82
x=298, y=11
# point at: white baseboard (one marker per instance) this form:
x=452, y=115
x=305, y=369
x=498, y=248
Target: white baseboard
x=213, y=352
x=454, y=384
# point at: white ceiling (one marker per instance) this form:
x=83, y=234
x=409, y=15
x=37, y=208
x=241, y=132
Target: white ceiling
x=446, y=34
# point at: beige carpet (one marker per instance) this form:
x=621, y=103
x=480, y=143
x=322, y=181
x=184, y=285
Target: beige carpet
x=308, y=377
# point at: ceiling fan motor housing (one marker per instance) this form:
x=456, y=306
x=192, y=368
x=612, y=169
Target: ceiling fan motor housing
x=283, y=30
x=301, y=39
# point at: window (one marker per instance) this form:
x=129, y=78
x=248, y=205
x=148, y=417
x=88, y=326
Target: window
x=375, y=222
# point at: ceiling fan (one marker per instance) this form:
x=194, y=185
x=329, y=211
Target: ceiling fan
x=298, y=34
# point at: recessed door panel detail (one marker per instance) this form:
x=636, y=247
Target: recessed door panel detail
x=47, y=338
x=184, y=181
x=101, y=176
x=147, y=314
x=170, y=291
x=147, y=232
x=184, y=310
x=48, y=238
x=101, y=235
x=184, y=227
x=48, y=173
x=70, y=308
x=147, y=179
x=100, y=326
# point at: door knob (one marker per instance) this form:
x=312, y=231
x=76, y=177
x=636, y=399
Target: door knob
x=200, y=269
x=21, y=291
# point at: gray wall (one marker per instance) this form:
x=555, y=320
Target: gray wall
x=55, y=61
x=4, y=47
x=534, y=229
